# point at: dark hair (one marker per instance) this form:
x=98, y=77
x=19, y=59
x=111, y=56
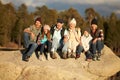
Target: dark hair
x=94, y=21
x=60, y=21
x=38, y=19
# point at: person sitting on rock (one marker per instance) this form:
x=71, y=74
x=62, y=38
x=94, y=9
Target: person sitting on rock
x=58, y=35
x=44, y=42
x=30, y=36
x=97, y=41
x=84, y=45
x=74, y=35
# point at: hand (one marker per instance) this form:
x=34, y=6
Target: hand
x=65, y=39
x=32, y=36
x=95, y=40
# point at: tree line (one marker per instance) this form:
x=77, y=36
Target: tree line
x=14, y=21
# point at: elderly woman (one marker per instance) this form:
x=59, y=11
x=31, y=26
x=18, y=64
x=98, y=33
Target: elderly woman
x=74, y=35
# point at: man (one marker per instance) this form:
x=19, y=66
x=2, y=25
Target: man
x=58, y=37
x=30, y=37
x=97, y=41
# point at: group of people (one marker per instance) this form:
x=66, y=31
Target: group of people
x=65, y=42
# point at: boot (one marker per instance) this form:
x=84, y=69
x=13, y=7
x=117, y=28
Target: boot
x=64, y=55
x=53, y=55
x=48, y=56
x=26, y=58
x=77, y=56
x=98, y=56
x=94, y=57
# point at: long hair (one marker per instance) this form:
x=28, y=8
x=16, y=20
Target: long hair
x=48, y=35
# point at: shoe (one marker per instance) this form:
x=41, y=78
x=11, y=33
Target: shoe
x=53, y=55
x=77, y=56
x=41, y=57
x=72, y=55
x=48, y=56
x=98, y=56
x=94, y=57
x=26, y=58
x=69, y=55
x=64, y=56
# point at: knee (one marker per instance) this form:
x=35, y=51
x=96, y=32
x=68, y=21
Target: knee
x=35, y=44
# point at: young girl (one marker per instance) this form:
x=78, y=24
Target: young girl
x=44, y=42
x=84, y=45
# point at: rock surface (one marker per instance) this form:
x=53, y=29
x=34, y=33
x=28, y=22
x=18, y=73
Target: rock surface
x=13, y=68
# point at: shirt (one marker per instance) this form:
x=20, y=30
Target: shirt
x=57, y=34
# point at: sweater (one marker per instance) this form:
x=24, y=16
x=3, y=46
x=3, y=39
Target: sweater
x=86, y=42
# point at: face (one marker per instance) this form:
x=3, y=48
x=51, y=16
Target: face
x=45, y=31
x=86, y=33
x=59, y=25
x=37, y=24
x=94, y=27
x=71, y=25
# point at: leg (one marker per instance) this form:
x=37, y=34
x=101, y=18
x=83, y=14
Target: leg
x=55, y=45
x=32, y=49
x=79, y=49
x=93, y=50
x=26, y=38
x=42, y=47
x=100, y=46
x=48, y=44
x=64, y=50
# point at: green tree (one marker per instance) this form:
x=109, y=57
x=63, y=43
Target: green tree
x=23, y=21
x=7, y=21
x=48, y=16
x=67, y=15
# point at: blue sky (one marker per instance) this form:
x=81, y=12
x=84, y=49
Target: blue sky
x=104, y=7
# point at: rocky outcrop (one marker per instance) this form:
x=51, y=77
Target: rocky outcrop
x=13, y=68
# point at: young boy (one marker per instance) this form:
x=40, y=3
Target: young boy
x=84, y=46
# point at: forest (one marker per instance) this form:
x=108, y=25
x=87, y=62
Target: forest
x=13, y=21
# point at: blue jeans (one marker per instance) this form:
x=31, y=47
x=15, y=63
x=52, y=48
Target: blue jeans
x=98, y=46
x=79, y=49
x=42, y=48
x=30, y=46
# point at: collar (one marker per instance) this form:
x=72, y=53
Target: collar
x=57, y=29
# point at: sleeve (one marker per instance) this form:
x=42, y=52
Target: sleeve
x=66, y=33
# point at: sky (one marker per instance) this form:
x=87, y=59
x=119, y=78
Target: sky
x=104, y=7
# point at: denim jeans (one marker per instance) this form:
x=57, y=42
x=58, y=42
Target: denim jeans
x=98, y=46
x=42, y=48
x=30, y=46
x=79, y=49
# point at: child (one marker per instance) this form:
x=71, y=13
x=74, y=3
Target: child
x=84, y=45
x=44, y=41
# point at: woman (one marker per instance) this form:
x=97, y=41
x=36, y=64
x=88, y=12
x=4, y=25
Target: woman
x=74, y=35
x=44, y=42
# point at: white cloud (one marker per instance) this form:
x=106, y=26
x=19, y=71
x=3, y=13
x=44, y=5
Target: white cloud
x=43, y=2
x=117, y=11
